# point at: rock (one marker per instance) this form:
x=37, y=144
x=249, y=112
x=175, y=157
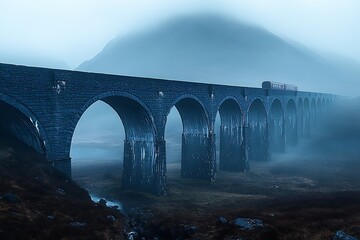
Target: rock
x=78, y=224
x=248, y=223
x=222, y=220
x=111, y=218
x=18, y=216
x=132, y=235
x=190, y=229
x=10, y=198
x=340, y=235
x=102, y=202
x=60, y=191
x=139, y=229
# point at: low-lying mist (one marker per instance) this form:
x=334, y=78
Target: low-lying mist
x=331, y=156
x=331, y=153
x=337, y=134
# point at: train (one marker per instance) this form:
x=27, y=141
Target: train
x=279, y=86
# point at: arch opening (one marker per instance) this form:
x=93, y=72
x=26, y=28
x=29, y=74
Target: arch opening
x=13, y=123
x=276, y=127
x=258, y=132
x=193, y=116
x=173, y=133
x=136, y=128
x=97, y=143
x=300, y=118
x=306, y=118
x=318, y=111
x=195, y=137
x=291, y=127
x=232, y=150
x=313, y=115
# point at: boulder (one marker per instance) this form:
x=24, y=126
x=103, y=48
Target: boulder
x=60, y=191
x=78, y=224
x=190, y=229
x=222, y=220
x=102, y=202
x=110, y=218
x=132, y=235
x=10, y=198
x=340, y=235
x=248, y=223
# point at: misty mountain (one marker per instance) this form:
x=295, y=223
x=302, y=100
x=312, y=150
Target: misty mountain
x=348, y=68
x=214, y=49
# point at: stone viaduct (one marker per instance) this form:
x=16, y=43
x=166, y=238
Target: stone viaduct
x=42, y=107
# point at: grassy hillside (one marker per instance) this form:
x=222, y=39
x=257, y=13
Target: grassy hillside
x=38, y=202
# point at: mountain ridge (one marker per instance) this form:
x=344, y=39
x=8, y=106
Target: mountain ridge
x=214, y=49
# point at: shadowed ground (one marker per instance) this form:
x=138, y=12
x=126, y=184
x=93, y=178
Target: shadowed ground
x=297, y=199
x=38, y=202
x=308, y=193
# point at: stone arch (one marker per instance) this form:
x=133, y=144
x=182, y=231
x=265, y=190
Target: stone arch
x=109, y=98
x=327, y=102
x=196, y=142
x=313, y=114
x=300, y=117
x=306, y=117
x=291, y=127
x=258, y=132
x=193, y=114
x=318, y=110
x=20, y=122
x=232, y=154
x=235, y=103
x=140, y=134
x=276, y=127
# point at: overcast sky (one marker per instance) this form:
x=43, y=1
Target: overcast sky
x=76, y=30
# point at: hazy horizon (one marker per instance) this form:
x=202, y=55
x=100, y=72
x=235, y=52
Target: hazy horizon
x=58, y=30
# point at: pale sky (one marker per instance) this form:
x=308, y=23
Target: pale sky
x=76, y=30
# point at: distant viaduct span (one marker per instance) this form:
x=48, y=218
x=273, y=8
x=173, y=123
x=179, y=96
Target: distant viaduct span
x=41, y=107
